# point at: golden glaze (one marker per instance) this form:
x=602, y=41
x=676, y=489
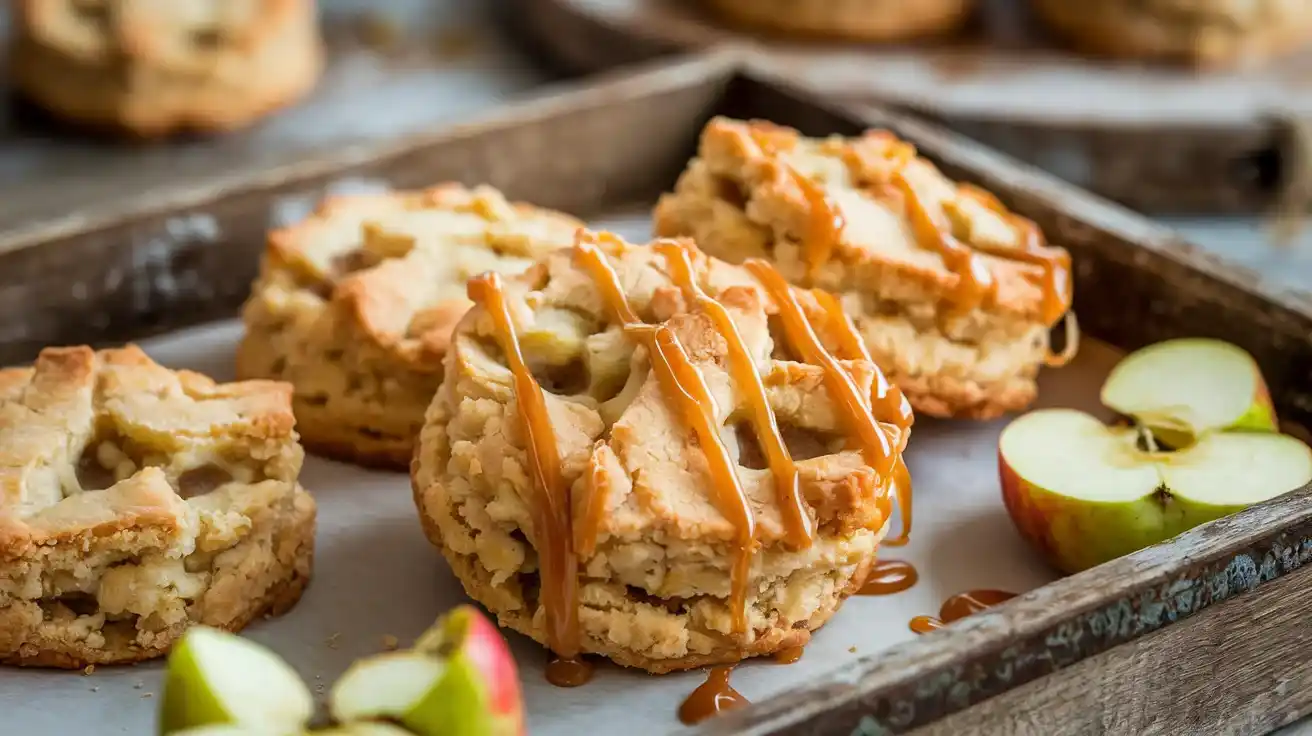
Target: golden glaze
x=551, y=505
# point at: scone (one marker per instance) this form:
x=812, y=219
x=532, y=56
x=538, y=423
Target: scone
x=355, y=305
x=859, y=20
x=647, y=454
x=1203, y=33
x=953, y=294
x=151, y=68
x=136, y=501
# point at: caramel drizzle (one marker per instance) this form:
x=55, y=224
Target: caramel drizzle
x=694, y=405
x=875, y=444
x=886, y=400
x=550, y=509
x=793, y=508
x=824, y=226
x=975, y=282
x=1056, y=264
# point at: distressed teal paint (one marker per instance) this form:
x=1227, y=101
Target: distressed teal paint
x=957, y=687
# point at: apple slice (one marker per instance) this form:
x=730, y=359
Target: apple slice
x=1083, y=493
x=1182, y=389
x=215, y=679
x=459, y=679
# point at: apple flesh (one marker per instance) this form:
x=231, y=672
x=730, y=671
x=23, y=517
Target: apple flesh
x=459, y=679
x=1083, y=493
x=1183, y=389
x=216, y=679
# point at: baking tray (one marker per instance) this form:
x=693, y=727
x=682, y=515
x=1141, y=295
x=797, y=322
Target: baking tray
x=1205, y=633
x=394, y=68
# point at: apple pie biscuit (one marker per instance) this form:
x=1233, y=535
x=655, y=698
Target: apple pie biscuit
x=1204, y=33
x=136, y=501
x=151, y=68
x=953, y=294
x=648, y=454
x=355, y=306
x=859, y=20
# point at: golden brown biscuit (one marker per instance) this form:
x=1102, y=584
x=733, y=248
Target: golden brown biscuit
x=860, y=20
x=136, y=501
x=355, y=306
x=953, y=294
x=1203, y=33
x=600, y=471
x=151, y=68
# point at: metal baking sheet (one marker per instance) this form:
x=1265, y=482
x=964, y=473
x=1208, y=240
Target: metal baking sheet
x=376, y=575
x=395, y=68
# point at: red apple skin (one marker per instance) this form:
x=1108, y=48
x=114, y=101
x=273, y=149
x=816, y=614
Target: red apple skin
x=475, y=649
x=1026, y=515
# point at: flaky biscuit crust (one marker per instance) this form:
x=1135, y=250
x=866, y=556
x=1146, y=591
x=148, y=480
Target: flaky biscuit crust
x=975, y=364
x=137, y=501
x=150, y=69
x=355, y=306
x=655, y=580
x=860, y=20
x=1203, y=33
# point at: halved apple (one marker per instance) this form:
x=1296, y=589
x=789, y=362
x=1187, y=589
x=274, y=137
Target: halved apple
x=1182, y=389
x=218, y=679
x=459, y=679
x=1084, y=493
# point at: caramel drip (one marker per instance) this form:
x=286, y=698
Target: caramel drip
x=711, y=698
x=792, y=506
x=890, y=576
x=551, y=512
x=1056, y=264
x=960, y=606
x=825, y=224
x=571, y=672
x=975, y=282
x=693, y=404
x=876, y=447
x=886, y=400
x=788, y=655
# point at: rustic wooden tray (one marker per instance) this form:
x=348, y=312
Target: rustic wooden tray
x=1202, y=634
x=1158, y=138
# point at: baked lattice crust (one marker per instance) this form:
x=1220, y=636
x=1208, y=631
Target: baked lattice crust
x=355, y=307
x=155, y=66
x=671, y=574
x=953, y=293
x=136, y=501
x=1203, y=33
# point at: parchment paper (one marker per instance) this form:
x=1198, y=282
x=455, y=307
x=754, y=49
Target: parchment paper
x=376, y=575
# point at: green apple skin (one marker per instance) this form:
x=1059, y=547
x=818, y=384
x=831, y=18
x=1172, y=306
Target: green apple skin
x=1074, y=534
x=182, y=709
x=478, y=693
x=185, y=707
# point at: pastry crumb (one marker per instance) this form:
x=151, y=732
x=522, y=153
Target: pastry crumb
x=147, y=695
x=88, y=670
x=334, y=641
x=852, y=650
x=390, y=643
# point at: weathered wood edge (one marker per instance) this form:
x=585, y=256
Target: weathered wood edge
x=1214, y=168
x=1041, y=632
x=1249, y=673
